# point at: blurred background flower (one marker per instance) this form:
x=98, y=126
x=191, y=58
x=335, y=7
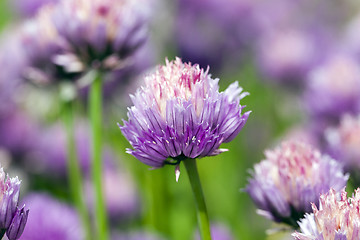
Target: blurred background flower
x=43, y=222
x=291, y=177
x=334, y=219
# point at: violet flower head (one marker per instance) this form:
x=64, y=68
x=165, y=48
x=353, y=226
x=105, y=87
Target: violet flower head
x=344, y=141
x=51, y=219
x=18, y=224
x=286, y=56
x=352, y=36
x=29, y=8
x=12, y=219
x=335, y=219
x=334, y=88
x=103, y=33
x=292, y=175
x=49, y=59
x=11, y=62
x=180, y=114
x=210, y=32
x=17, y=135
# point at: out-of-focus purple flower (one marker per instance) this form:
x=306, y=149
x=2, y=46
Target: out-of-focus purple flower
x=352, y=36
x=334, y=88
x=211, y=32
x=12, y=219
x=17, y=132
x=120, y=194
x=218, y=232
x=11, y=61
x=302, y=134
x=324, y=16
x=18, y=223
x=29, y=8
x=50, y=153
x=337, y=219
x=49, y=59
x=292, y=175
x=344, y=141
x=287, y=55
x=103, y=33
x=51, y=219
x=179, y=114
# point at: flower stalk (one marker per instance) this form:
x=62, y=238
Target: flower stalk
x=74, y=171
x=95, y=103
x=202, y=215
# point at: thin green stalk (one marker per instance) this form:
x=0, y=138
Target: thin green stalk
x=74, y=172
x=95, y=103
x=202, y=216
x=156, y=215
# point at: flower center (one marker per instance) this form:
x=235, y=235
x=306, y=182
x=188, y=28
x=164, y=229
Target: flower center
x=178, y=81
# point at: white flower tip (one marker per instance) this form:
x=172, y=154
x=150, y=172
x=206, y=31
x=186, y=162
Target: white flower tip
x=221, y=150
x=177, y=172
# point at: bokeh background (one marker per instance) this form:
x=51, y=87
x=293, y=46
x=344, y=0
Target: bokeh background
x=299, y=60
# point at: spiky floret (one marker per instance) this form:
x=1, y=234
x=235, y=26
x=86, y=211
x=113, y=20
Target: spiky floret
x=180, y=113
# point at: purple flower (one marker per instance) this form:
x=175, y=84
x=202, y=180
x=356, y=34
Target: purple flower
x=180, y=113
x=18, y=224
x=51, y=219
x=12, y=61
x=292, y=175
x=334, y=88
x=103, y=33
x=336, y=219
x=211, y=32
x=287, y=55
x=344, y=141
x=17, y=132
x=12, y=220
x=352, y=36
x=50, y=58
x=29, y=8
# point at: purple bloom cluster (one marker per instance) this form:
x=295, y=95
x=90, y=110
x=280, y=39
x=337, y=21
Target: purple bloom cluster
x=334, y=88
x=12, y=219
x=11, y=61
x=29, y=8
x=179, y=114
x=336, y=219
x=287, y=55
x=210, y=32
x=103, y=33
x=51, y=219
x=16, y=134
x=292, y=175
x=343, y=142
x=50, y=58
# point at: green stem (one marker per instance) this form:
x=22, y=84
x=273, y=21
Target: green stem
x=74, y=172
x=95, y=103
x=156, y=216
x=202, y=216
